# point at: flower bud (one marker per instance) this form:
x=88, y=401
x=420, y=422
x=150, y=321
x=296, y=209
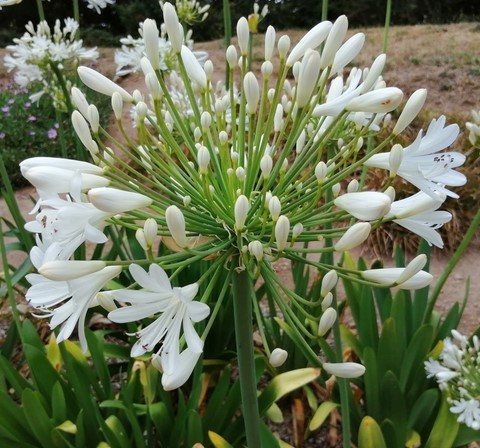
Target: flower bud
x=375, y=71
x=60, y=270
x=117, y=105
x=266, y=165
x=344, y=369
x=377, y=101
x=102, y=84
x=326, y=321
x=334, y=40
x=353, y=237
x=79, y=101
x=390, y=276
x=347, y=52
x=173, y=27
x=395, y=159
x=329, y=281
x=256, y=249
x=327, y=301
x=252, y=92
x=307, y=77
x=311, y=40
x=364, y=205
x=297, y=230
x=269, y=42
x=83, y=131
x=242, y=207
x=153, y=86
x=278, y=357
x=353, y=186
x=93, y=118
x=150, y=229
x=415, y=266
x=203, y=159
x=243, y=35
x=410, y=111
x=150, y=39
x=275, y=207
x=283, y=46
x=282, y=230
x=321, y=171
x=111, y=200
x=240, y=173
x=176, y=225
x=231, y=56
x=194, y=70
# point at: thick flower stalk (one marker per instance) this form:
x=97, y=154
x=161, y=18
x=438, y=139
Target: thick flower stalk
x=48, y=57
x=457, y=373
x=244, y=176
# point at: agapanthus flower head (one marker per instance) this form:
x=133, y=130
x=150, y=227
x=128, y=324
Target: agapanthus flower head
x=457, y=373
x=242, y=176
x=42, y=50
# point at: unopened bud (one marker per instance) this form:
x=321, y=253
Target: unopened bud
x=176, y=225
x=282, y=230
x=278, y=357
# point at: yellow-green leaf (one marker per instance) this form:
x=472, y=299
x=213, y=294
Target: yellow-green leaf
x=414, y=440
x=370, y=434
x=321, y=414
x=68, y=426
x=53, y=353
x=275, y=414
x=218, y=441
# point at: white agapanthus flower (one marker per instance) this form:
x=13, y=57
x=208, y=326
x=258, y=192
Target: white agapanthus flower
x=420, y=215
x=457, y=373
x=423, y=165
x=176, y=309
x=98, y=5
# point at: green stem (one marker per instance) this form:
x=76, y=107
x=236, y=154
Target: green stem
x=342, y=382
x=61, y=133
x=242, y=307
x=227, y=23
x=76, y=14
x=451, y=265
x=324, y=10
x=41, y=12
x=386, y=28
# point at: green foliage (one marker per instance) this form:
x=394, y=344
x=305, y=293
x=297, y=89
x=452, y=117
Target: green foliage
x=395, y=334
x=27, y=129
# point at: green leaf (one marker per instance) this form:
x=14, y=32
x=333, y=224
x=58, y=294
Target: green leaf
x=321, y=414
x=393, y=406
x=43, y=373
x=59, y=405
x=445, y=428
x=218, y=441
x=349, y=339
x=194, y=428
x=465, y=436
x=162, y=420
x=283, y=384
x=267, y=439
x=16, y=381
x=423, y=408
x=371, y=383
x=275, y=414
x=118, y=431
x=370, y=435
x=96, y=348
x=389, y=356
x=37, y=418
x=216, y=399
x=13, y=422
x=415, y=355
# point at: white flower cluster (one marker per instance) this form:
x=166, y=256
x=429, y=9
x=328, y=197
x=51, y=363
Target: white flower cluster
x=249, y=174
x=190, y=11
x=474, y=128
x=9, y=3
x=41, y=51
x=457, y=372
x=98, y=5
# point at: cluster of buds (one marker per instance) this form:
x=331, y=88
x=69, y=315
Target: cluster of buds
x=474, y=128
x=253, y=173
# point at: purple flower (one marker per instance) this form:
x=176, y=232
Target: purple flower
x=32, y=133
x=2, y=135
x=27, y=104
x=5, y=109
x=52, y=133
x=32, y=118
x=56, y=125
x=10, y=101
